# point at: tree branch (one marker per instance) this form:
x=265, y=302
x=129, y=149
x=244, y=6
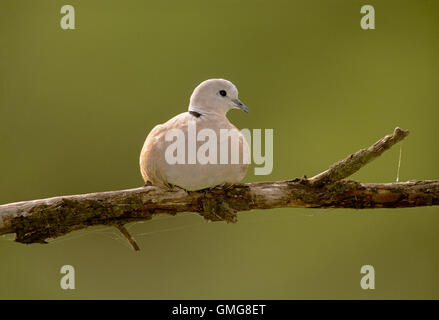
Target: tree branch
x=354, y=162
x=37, y=220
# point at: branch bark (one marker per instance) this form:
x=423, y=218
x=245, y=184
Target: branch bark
x=37, y=220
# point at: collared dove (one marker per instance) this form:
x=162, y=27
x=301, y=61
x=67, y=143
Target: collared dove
x=208, y=106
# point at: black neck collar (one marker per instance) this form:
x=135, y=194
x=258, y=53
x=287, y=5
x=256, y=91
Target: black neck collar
x=195, y=114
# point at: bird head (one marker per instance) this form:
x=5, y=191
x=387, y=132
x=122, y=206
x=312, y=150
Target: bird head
x=215, y=96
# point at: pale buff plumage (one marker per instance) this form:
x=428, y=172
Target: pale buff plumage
x=211, y=106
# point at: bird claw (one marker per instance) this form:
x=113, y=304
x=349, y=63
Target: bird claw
x=225, y=186
x=147, y=183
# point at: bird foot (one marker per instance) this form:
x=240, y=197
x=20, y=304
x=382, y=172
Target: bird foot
x=225, y=186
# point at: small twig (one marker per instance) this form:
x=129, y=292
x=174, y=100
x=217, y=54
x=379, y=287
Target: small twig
x=348, y=166
x=129, y=237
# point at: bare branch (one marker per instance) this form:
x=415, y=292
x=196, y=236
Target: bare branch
x=38, y=220
x=354, y=162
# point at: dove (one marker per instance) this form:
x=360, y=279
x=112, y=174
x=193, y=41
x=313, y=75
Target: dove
x=215, y=138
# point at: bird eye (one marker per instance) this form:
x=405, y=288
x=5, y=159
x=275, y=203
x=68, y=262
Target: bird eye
x=223, y=93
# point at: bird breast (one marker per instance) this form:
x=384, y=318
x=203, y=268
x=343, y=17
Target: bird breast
x=223, y=147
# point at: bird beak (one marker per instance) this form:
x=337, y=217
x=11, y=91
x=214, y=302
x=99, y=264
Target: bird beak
x=240, y=105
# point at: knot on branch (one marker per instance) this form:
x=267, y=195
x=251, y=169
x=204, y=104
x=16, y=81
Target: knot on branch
x=215, y=209
x=399, y=134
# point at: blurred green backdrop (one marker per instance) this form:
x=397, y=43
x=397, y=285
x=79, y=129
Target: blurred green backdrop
x=76, y=106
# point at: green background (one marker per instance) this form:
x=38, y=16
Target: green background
x=76, y=106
